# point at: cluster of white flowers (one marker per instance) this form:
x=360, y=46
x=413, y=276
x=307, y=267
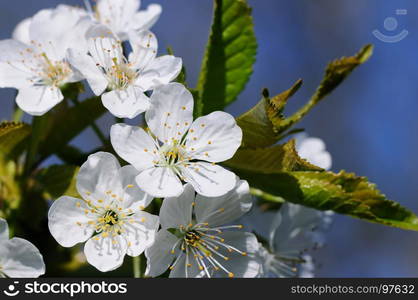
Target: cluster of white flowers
x=175, y=157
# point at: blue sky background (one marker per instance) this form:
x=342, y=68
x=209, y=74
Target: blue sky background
x=369, y=123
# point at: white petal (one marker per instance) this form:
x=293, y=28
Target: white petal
x=177, y=211
x=171, y=112
x=98, y=175
x=247, y=266
x=160, y=182
x=100, y=30
x=182, y=271
x=87, y=67
x=106, y=254
x=133, y=196
x=161, y=70
x=159, y=256
x=4, y=230
x=224, y=209
x=117, y=14
x=215, y=137
x=144, y=48
x=21, y=31
x=127, y=103
x=141, y=234
x=56, y=30
x=21, y=259
x=134, y=145
x=313, y=150
x=145, y=19
x=37, y=100
x=209, y=180
x=15, y=64
x=105, y=51
x=68, y=222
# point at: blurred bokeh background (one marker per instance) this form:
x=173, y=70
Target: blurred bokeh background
x=369, y=123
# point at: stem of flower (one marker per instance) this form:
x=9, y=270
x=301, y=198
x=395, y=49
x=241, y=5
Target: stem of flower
x=266, y=196
x=136, y=264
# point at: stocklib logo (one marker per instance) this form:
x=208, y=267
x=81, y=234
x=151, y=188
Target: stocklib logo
x=11, y=290
x=391, y=24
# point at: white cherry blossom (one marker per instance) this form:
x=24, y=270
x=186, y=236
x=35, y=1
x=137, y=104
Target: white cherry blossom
x=313, y=150
x=34, y=61
x=289, y=235
x=177, y=149
x=110, y=216
x=125, y=79
x=196, y=239
x=124, y=16
x=19, y=258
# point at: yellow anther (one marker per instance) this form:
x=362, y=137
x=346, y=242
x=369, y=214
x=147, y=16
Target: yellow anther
x=141, y=207
x=231, y=275
x=78, y=204
x=100, y=201
x=142, y=220
x=78, y=223
x=130, y=186
x=183, y=107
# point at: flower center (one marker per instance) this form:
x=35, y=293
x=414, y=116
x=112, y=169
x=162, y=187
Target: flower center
x=205, y=246
x=120, y=75
x=54, y=73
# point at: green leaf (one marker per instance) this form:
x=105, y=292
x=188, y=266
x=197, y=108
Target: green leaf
x=344, y=193
x=68, y=123
x=58, y=180
x=12, y=136
x=229, y=58
x=274, y=159
x=336, y=72
x=258, y=124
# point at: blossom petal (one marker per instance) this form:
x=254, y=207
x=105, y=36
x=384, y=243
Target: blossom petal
x=126, y=103
x=160, y=182
x=215, y=137
x=224, y=209
x=242, y=266
x=159, y=256
x=87, y=67
x=209, y=180
x=56, y=30
x=98, y=175
x=68, y=221
x=4, y=230
x=177, y=211
x=21, y=259
x=144, y=48
x=106, y=254
x=161, y=70
x=145, y=19
x=105, y=51
x=37, y=100
x=117, y=14
x=141, y=233
x=133, y=197
x=171, y=112
x=182, y=271
x=313, y=150
x=21, y=31
x=134, y=145
x=16, y=63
